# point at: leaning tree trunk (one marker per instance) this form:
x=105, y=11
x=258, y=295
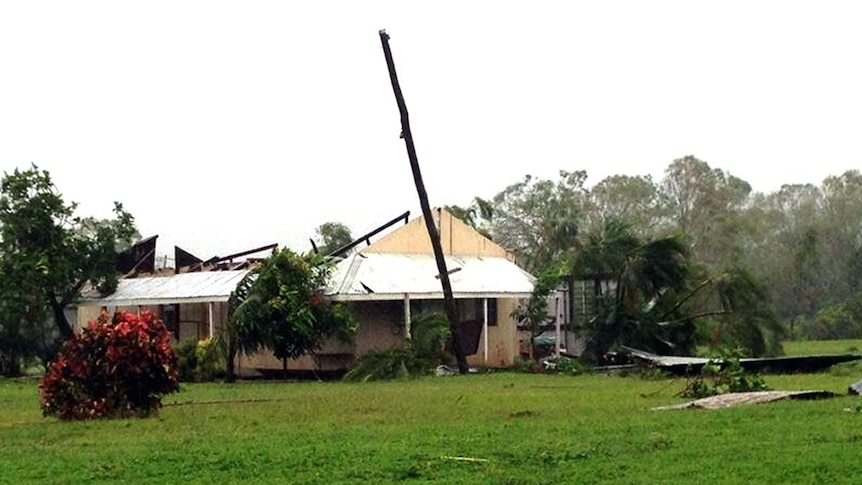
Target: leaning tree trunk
x=58, y=309
x=10, y=364
x=448, y=300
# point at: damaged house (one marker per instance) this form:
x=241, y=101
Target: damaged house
x=385, y=284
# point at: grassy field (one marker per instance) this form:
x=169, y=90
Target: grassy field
x=820, y=347
x=493, y=428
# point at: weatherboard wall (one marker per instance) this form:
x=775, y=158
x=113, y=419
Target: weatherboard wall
x=456, y=238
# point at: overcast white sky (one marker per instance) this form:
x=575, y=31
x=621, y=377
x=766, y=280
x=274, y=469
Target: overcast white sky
x=227, y=125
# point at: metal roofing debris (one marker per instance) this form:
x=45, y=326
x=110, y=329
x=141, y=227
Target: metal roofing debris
x=739, y=398
x=687, y=365
x=387, y=276
x=210, y=286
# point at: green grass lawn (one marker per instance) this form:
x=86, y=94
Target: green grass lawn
x=821, y=347
x=493, y=428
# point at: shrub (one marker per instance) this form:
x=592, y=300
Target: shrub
x=424, y=352
x=116, y=368
x=721, y=375
x=563, y=365
x=187, y=360
x=199, y=361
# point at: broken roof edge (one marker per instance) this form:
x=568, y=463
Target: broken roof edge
x=422, y=296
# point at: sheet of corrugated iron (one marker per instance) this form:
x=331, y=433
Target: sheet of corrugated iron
x=209, y=286
x=741, y=398
x=387, y=276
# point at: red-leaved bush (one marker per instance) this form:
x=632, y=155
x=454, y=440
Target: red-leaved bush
x=113, y=368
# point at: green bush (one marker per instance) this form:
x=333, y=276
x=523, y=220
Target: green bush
x=199, y=361
x=424, y=352
x=723, y=374
x=563, y=365
x=187, y=360
x=115, y=368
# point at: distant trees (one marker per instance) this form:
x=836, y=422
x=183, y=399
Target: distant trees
x=771, y=262
x=539, y=219
x=332, y=235
x=477, y=215
x=47, y=256
x=634, y=199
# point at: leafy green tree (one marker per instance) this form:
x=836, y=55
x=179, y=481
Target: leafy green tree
x=842, y=221
x=533, y=313
x=634, y=199
x=284, y=309
x=40, y=236
x=704, y=204
x=24, y=330
x=739, y=312
x=538, y=220
x=794, y=247
x=331, y=236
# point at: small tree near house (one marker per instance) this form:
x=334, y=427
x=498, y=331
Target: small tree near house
x=533, y=313
x=281, y=307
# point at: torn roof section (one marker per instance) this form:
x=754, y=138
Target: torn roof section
x=204, y=287
x=402, y=263
x=389, y=276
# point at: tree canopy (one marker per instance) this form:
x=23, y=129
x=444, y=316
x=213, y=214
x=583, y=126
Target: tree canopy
x=48, y=254
x=763, y=264
x=281, y=307
x=332, y=235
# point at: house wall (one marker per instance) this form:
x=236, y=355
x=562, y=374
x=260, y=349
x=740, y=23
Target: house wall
x=456, y=238
x=381, y=326
x=193, y=318
x=502, y=339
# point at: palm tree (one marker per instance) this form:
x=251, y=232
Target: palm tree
x=644, y=298
x=632, y=279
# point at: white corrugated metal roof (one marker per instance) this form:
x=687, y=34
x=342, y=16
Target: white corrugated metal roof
x=209, y=286
x=380, y=276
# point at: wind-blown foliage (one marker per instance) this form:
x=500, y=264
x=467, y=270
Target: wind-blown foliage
x=533, y=313
x=645, y=298
x=284, y=309
x=479, y=215
x=539, y=219
x=422, y=354
x=632, y=282
x=48, y=255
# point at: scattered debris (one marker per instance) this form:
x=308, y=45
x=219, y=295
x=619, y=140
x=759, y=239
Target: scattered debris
x=465, y=458
x=692, y=365
x=740, y=398
x=445, y=370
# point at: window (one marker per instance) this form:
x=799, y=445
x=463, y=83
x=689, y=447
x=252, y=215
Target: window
x=492, y=311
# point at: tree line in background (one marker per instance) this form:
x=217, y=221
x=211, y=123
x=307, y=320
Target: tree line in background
x=695, y=258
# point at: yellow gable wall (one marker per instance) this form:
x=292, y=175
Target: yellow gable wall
x=456, y=237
